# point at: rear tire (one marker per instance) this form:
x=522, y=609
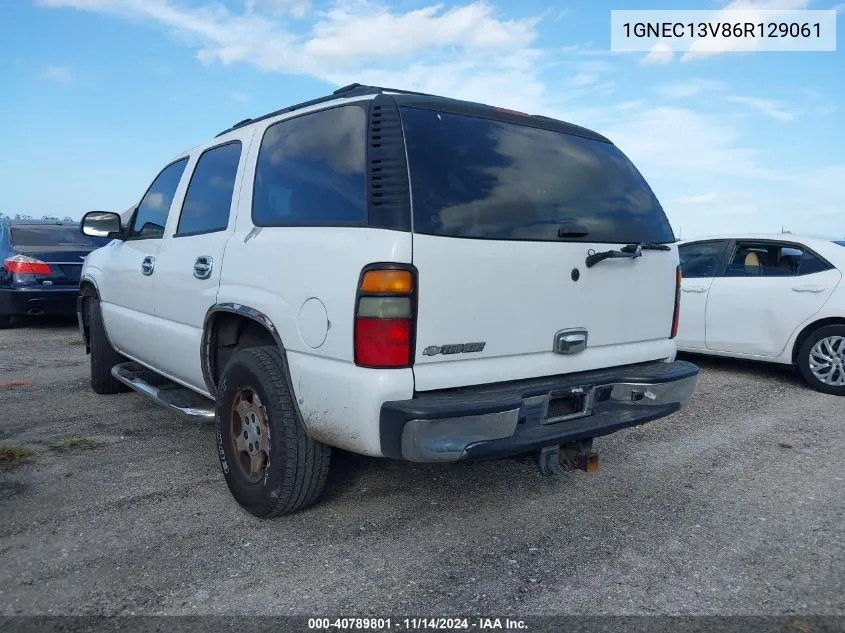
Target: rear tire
x=103, y=355
x=821, y=360
x=271, y=465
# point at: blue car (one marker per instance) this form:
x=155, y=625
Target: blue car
x=40, y=262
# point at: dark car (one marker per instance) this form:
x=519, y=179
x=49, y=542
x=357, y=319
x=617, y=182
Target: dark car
x=41, y=261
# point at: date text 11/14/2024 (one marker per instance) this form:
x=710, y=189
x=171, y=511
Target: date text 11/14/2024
x=413, y=624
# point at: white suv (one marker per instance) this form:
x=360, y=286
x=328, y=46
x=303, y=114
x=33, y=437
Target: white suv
x=394, y=274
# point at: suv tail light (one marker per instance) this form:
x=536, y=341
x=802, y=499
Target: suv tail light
x=677, y=315
x=384, y=317
x=25, y=265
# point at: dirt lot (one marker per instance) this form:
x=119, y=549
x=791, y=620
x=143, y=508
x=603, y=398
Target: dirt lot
x=734, y=506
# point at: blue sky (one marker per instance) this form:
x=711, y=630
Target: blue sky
x=99, y=94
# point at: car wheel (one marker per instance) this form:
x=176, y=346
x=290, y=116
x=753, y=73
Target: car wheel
x=103, y=355
x=271, y=465
x=821, y=360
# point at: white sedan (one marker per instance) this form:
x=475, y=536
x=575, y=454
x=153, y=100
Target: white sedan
x=777, y=298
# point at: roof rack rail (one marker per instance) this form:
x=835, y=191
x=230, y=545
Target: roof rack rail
x=352, y=90
x=377, y=89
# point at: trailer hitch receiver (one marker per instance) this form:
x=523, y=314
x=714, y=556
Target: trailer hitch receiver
x=577, y=455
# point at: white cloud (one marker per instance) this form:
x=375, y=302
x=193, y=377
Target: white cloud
x=659, y=55
x=704, y=198
x=768, y=107
x=241, y=97
x=296, y=8
x=685, y=143
x=715, y=204
x=59, y=74
x=690, y=88
x=352, y=34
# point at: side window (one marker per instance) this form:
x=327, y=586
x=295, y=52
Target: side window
x=208, y=200
x=310, y=170
x=772, y=260
x=700, y=259
x=151, y=215
x=809, y=264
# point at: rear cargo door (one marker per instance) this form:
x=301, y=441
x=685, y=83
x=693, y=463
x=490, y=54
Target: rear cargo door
x=505, y=216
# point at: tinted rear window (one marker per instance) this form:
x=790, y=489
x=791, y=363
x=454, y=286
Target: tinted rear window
x=53, y=235
x=480, y=178
x=840, y=242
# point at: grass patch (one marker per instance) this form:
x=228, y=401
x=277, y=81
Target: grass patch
x=12, y=455
x=77, y=443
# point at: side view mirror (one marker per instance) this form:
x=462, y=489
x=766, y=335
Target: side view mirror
x=101, y=224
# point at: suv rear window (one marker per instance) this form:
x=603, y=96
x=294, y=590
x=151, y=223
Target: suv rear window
x=481, y=178
x=840, y=242
x=53, y=235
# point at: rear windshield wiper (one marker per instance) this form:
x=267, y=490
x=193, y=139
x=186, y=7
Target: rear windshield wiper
x=629, y=251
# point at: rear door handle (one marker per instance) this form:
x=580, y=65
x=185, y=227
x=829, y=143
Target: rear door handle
x=203, y=266
x=694, y=289
x=809, y=288
x=148, y=264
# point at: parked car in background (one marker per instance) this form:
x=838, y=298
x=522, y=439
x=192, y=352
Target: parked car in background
x=41, y=264
x=776, y=298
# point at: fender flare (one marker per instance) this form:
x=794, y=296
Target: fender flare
x=260, y=318
x=81, y=318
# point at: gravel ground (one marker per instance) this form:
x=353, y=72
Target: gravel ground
x=733, y=506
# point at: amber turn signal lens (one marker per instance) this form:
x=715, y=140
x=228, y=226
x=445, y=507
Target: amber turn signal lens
x=390, y=281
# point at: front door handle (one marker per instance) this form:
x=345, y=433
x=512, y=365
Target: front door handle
x=148, y=264
x=203, y=266
x=809, y=288
x=694, y=289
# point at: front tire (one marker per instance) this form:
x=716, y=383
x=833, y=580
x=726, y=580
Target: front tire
x=821, y=360
x=270, y=464
x=103, y=355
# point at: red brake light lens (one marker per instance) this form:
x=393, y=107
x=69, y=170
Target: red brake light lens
x=25, y=265
x=383, y=342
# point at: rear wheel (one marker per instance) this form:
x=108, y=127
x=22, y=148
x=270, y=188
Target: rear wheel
x=270, y=464
x=103, y=355
x=821, y=360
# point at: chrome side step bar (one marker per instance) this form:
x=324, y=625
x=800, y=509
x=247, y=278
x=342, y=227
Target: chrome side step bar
x=167, y=393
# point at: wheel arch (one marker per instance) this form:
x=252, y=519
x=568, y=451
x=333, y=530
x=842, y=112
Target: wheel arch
x=809, y=329
x=87, y=288
x=230, y=326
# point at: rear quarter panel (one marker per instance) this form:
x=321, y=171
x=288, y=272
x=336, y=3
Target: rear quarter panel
x=305, y=279
x=834, y=307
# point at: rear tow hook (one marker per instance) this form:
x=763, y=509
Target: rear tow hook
x=578, y=455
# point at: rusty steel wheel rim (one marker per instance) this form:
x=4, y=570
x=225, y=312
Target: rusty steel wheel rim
x=249, y=435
